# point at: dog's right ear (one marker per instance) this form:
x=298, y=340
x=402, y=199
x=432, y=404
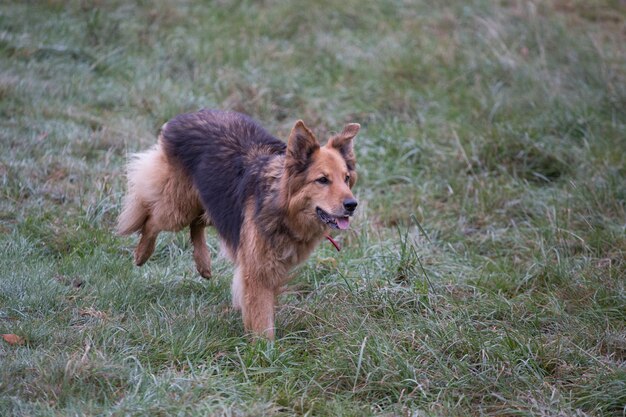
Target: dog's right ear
x=301, y=145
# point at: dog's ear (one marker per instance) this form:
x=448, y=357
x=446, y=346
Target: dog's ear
x=301, y=145
x=343, y=143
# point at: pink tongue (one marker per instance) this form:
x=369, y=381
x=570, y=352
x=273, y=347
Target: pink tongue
x=343, y=222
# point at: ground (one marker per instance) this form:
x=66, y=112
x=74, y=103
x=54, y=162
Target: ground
x=483, y=275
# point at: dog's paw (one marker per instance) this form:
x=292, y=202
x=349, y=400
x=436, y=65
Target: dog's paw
x=140, y=260
x=204, y=271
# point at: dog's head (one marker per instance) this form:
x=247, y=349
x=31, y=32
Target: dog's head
x=320, y=178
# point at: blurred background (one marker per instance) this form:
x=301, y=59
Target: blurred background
x=485, y=271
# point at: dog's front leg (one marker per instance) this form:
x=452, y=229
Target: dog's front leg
x=259, y=298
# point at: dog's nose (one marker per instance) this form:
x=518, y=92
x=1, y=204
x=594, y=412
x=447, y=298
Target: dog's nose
x=350, y=204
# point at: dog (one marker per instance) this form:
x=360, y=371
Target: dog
x=271, y=202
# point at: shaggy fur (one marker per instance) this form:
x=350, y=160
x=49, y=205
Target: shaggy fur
x=270, y=202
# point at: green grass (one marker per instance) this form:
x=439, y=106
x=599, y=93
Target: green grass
x=484, y=274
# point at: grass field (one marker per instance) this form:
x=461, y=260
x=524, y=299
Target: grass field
x=484, y=274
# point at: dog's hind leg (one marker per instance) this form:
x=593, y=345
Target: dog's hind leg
x=149, y=233
x=201, y=254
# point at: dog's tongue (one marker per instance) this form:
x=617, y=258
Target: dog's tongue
x=343, y=222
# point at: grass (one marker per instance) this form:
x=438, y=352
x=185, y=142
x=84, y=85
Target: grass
x=484, y=274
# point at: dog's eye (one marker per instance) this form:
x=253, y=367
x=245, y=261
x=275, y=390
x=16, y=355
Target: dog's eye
x=322, y=180
x=347, y=179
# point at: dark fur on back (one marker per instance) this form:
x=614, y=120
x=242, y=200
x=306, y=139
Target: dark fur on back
x=225, y=154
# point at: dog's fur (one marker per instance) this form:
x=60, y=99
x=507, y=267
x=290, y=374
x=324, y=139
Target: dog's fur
x=270, y=202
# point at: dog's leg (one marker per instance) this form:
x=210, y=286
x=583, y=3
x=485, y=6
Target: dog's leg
x=149, y=233
x=201, y=254
x=237, y=289
x=258, y=308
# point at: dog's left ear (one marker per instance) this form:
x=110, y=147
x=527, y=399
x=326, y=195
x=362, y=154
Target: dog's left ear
x=343, y=143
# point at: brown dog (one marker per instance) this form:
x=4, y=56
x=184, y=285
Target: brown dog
x=270, y=202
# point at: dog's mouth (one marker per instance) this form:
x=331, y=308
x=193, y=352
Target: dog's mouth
x=335, y=222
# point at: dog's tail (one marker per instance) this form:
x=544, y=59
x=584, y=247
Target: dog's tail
x=136, y=207
x=133, y=216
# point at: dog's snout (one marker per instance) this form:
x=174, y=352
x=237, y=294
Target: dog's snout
x=350, y=204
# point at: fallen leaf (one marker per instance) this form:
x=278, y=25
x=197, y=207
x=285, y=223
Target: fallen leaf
x=13, y=339
x=92, y=312
x=73, y=282
x=329, y=262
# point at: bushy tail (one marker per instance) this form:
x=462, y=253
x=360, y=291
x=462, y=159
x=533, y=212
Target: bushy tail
x=133, y=216
x=135, y=208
